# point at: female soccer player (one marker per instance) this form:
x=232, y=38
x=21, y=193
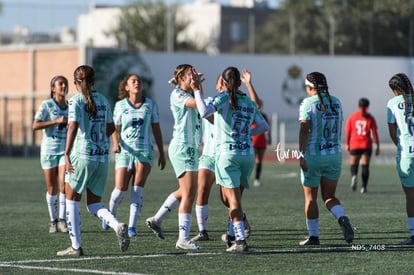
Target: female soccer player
x=52, y=118
x=86, y=157
x=136, y=120
x=359, y=127
x=206, y=168
x=260, y=142
x=234, y=115
x=320, y=117
x=183, y=154
x=400, y=118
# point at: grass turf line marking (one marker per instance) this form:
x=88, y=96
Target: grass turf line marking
x=76, y=270
x=20, y=264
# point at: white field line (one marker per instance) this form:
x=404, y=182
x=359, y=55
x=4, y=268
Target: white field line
x=24, y=264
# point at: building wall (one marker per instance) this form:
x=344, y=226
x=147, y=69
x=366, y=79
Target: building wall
x=25, y=74
x=279, y=81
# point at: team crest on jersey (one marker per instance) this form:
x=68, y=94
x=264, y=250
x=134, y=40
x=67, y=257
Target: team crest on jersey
x=293, y=87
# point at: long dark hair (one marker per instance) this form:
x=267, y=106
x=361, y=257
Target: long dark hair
x=402, y=84
x=85, y=76
x=53, y=81
x=319, y=83
x=231, y=78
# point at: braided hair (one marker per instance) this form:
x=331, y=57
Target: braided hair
x=85, y=76
x=401, y=83
x=178, y=72
x=318, y=81
x=231, y=79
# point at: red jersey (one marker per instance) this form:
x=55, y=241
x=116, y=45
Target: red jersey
x=260, y=141
x=358, y=131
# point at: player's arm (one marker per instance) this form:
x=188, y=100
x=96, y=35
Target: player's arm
x=375, y=136
x=156, y=131
x=303, y=141
x=40, y=124
x=246, y=78
x=115, y=139
x=392, y=129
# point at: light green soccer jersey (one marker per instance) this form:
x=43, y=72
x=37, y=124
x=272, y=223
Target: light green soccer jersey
x=233, y=128
x=187, y=121
x=325, y=127
x=136, y=124
x=91, y=142
x=209, y=146
x=405, y=130
x=54, y=137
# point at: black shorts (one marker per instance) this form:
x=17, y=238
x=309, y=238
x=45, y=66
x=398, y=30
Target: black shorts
x=360, y=152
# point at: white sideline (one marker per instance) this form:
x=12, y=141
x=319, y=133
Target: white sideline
x=24, y=264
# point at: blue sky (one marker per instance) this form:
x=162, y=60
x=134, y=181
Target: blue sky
x=45, y=15
x=49, y=16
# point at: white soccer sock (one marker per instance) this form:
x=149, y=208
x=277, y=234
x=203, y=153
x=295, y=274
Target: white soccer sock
x=103, y=213
x=169, y=205
x=230, y=227
x=52, y=206
x=338, y=211
x=184, y=225
x=73, y=220
x=115, y=201
x=62, y=206
x=239, y=230
x=202, y=216
x=313, y=227
x=411, y=225
x=136, y=205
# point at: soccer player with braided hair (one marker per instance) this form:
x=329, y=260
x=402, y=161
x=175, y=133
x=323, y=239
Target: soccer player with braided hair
x=400, y=118
x=234, y=113
x=320, y=117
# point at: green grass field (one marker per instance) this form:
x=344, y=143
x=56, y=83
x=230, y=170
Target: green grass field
x=275, y=212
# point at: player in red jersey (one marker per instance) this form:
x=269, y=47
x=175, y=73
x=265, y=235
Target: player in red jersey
x=359, y=127
x=260, y=143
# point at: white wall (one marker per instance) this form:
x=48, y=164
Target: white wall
x=348, y=77
x=92, y=27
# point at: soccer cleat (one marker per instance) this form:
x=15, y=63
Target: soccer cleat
x=123, y=238
x=247, y=228
x=53, y=227
x=229, y=240
x=312, y=240
x=354, y=182
x=346, y=229
x=408, y=241
x=105, y=226
x=70, y=251
x=256, y=183
x=201, y=236
x=363, y=190
x=238, y=246
x=186, y=244
x=61, y=226
x=155, y=227
x=132, y=232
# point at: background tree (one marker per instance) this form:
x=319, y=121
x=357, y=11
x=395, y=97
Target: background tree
x=150, y=26
x=356, y=27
